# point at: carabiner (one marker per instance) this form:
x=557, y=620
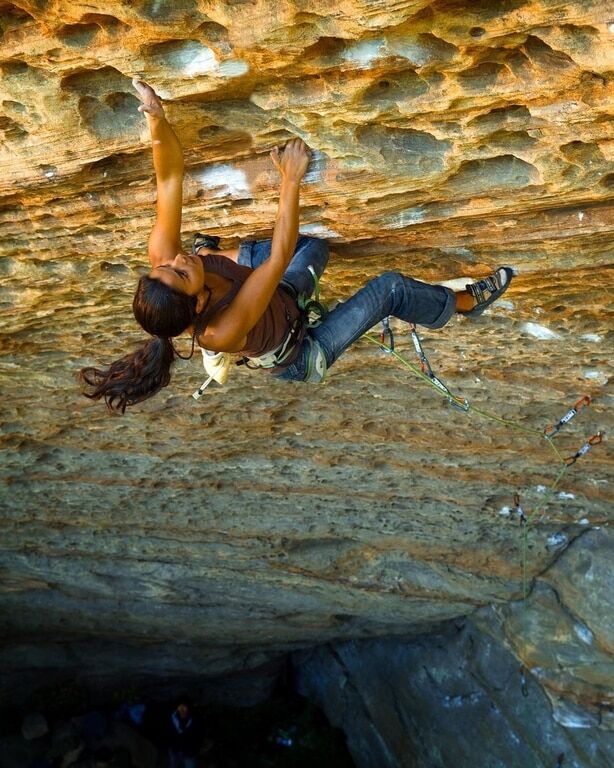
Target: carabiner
x=594, y=440
x=551, y=430
x=386, y=334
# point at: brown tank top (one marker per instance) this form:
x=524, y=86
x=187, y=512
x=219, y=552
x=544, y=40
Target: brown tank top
x=274, y=325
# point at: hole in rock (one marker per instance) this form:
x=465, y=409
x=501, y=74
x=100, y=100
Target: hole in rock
x=582, y=37
x=50, y=172
x=608, y=181
x=105, y=22
x=327, y=50
x=516, y=114
x=582, y=153
x=97, y=82
x=107, y=266
x=119, y=166
x=78, y=35
x=481, y=77
x=401, y=87
x=14, y=106
x=541, y=53
x=512, y=140
x=14, y=68
x=217, y=135
x=11, y=130
x=503, y=172
x=12, y=17
x=477, y=31
x=162, y=10
x=423, y=49
x=209, y=30
x=415, y=151
x=115, y=116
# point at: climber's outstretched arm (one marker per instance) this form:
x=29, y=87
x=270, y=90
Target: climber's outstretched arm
x=227, y=332
x=164, y=241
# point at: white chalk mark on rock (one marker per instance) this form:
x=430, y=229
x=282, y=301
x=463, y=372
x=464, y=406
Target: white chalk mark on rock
x=583, y=633
x=227, y=180
x=364, y=53
x=539, y=331
x=233, y=68
x=597, y=376
x=202, y=63
x=318, y=229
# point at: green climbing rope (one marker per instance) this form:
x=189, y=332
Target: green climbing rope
x=548, y=434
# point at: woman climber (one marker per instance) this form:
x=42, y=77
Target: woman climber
x=248, y=300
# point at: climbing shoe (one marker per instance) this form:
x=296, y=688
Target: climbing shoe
x=205, y=241
x=489, y=289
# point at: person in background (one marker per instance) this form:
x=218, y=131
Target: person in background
x=184, y=736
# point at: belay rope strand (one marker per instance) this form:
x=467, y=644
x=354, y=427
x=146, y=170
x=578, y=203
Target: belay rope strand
x=425, y=372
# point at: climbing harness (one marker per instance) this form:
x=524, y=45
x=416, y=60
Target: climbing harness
x=312, y=314
x=594, y=440
x=311, y=307
x=276, y=356
x=456, y=402
x=583, y=402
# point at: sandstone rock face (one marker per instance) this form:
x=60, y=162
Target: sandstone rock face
x=429, y=701
x=212, y=536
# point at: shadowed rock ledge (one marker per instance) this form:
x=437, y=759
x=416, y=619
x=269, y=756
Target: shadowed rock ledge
x=204, y=539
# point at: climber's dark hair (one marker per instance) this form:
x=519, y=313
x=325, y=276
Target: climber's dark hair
x=164, y=313
x=160, y=310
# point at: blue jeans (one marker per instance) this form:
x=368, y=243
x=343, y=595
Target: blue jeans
x=389, y=294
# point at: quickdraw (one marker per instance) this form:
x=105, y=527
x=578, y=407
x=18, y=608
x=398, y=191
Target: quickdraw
x=551, y=430
x=594, y=440
x=519, y=511
x=457, y=402
x=387, y=334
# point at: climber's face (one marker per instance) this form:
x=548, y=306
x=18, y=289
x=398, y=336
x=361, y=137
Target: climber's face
x=184, y=274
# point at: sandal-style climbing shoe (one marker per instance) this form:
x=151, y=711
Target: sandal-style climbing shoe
x=489, y=289
x=205, y=241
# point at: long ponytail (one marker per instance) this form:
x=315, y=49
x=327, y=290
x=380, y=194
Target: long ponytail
x=164, y=313
x=133, y=378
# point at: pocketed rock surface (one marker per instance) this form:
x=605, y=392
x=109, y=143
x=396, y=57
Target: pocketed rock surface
x=209, y=537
